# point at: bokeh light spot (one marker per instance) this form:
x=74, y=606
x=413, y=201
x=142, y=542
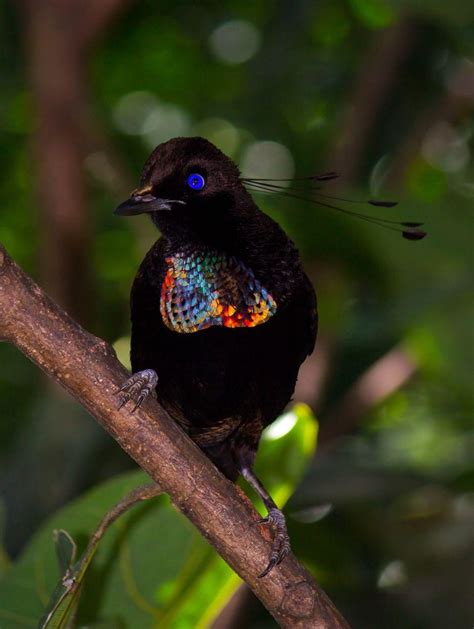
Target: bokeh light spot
x=446, y=148
x=268, y=159
x=235, y=41
x=392, y=575
x=132, y=109
x=220, y=132
x=141, y=113
x=280, y=426
x=163, y=122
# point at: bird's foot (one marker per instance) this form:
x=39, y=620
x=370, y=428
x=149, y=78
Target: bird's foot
x=137, y=388
x=281, y=541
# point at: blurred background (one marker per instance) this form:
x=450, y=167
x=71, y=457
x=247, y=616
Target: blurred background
x=375, y=89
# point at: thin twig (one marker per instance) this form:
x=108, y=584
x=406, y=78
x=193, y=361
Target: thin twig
x=130, y=500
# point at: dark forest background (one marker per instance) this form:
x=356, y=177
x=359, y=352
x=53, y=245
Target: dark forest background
x=380, y=90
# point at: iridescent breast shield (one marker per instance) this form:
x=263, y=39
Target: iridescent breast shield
x=209, y=288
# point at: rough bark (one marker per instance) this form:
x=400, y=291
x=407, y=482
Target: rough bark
x=88, y=368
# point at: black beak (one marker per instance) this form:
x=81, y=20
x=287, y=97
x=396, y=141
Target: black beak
x=140, y=204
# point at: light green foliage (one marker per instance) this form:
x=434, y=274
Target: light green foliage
x=151, y=568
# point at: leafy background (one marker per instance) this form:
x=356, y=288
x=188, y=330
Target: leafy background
x=377, y=89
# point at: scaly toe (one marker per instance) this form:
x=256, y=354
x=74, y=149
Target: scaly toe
x=281, y=541
x=137, y=388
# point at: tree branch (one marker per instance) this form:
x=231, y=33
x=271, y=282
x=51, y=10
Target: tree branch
x=88, y=368
x=454, y=105
x=380, y=72
x=385, y=376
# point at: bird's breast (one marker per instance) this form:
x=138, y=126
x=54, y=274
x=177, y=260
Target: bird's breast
x=209, y=288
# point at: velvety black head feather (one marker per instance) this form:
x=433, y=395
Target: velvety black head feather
x=183, y=156
x=204, y=214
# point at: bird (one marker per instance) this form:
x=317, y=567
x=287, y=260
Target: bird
x=222, y=312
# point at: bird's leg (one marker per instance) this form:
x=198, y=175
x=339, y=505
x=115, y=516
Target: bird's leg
x=137, y=388
x=275, y=518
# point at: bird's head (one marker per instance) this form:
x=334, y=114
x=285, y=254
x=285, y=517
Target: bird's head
x=188, y=186
x=193, y=191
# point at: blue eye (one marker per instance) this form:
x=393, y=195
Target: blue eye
x=196, y=181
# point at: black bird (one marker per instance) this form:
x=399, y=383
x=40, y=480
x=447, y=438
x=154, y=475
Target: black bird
x=222, y=312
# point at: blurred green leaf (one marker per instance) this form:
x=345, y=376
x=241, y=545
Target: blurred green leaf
x=287, y=446
x=373, y=13
x=329, y=27
x=151, y=568
x=427, y=183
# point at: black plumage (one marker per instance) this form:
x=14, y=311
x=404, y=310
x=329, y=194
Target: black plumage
x=223, y=385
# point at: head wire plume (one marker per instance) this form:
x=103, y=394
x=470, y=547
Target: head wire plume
x=299, y=188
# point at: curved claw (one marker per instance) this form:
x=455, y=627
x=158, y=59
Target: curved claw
x=281, y=541
x=137, y=388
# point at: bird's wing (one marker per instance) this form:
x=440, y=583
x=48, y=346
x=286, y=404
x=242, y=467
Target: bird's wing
x=306, y=304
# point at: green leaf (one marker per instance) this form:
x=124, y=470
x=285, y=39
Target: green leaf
x=66, y=550
x=151, y=568
x=373, y=13
x=65, y=598
x=286, y=448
